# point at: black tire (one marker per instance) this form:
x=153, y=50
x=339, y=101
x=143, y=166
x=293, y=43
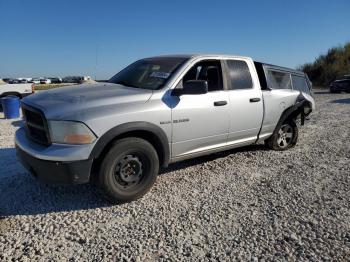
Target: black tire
x=284, y=137
x=128, y=170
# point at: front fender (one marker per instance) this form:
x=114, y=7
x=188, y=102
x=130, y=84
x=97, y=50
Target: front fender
x=119, y=130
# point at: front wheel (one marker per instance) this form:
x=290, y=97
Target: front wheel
x=285, y=137
x=128, y=170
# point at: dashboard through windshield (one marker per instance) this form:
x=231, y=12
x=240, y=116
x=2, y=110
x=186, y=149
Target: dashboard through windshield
x=149, y=73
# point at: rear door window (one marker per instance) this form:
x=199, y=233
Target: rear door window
x=299, y=83
x=279, y=80
x=239, y=75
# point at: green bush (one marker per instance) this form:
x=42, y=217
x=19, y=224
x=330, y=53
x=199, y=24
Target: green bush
x=330, y=66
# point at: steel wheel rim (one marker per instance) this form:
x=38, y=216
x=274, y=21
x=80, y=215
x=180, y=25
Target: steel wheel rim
x=285, y=136
x=129, y=171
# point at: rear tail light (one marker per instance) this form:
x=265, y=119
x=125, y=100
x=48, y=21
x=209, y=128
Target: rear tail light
x=33, y=88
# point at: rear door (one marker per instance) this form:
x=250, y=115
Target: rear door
x=277, y=98
x=246, y=105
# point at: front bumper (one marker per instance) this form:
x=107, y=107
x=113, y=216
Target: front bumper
x=57, y=163
x=55, y=172
x=54, y=152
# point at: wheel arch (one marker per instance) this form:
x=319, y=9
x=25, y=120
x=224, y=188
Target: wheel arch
x=294, y=111
x=148, y=131
x=11, y=94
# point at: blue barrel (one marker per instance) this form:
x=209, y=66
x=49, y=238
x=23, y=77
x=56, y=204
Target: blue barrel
x=10, y=106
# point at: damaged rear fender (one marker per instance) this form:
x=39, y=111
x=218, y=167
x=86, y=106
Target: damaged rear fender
x=303, y=106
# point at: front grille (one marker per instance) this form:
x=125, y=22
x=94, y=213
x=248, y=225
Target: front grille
x=35, y=125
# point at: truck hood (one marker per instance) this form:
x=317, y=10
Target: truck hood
x=68, y=102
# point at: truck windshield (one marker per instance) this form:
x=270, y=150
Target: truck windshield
x=149, y=73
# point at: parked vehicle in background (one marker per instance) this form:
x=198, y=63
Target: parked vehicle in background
x=12, y=81
x=45, y=81
x=87, y=78
x=17, y=81
x=340, y=85
x=24, y=79
x=6, y=79
x=20, y=90
x=76, y=79
x=55, y=80
x=72, y=79
x=158, y=111
x=35, y=81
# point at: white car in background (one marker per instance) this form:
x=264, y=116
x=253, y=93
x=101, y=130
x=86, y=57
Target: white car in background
x=35, y=81
x=19, y=90
x=45, y=81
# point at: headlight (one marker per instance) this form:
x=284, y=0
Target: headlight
x=70, y=132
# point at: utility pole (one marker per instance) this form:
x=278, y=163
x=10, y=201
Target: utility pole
x=96, y=55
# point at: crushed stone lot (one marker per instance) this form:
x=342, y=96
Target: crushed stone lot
x=245, y=204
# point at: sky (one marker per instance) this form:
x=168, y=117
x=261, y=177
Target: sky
x=99, y=38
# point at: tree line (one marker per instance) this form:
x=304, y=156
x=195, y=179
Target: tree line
x=330, y=66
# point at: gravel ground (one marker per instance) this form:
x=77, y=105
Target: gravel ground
x=247, y=204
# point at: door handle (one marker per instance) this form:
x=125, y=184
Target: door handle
x=255, y=99
x=220, y=103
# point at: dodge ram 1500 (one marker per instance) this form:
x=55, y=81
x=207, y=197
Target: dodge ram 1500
x=157, y=111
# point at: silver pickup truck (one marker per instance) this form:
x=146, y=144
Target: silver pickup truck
x=158, y=111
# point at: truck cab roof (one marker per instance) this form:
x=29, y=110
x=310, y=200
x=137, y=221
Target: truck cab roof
x=199, y=55
x=225, y=56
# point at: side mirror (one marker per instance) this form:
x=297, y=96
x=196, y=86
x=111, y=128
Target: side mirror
x=193, y=87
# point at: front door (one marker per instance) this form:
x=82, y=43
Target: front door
x=201, y=122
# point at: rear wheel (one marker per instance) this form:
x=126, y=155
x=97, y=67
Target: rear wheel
x=129, y=170
x=285, y=137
